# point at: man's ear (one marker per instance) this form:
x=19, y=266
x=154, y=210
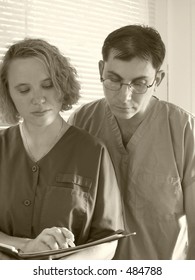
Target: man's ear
x=159, y=77
x=101, y=67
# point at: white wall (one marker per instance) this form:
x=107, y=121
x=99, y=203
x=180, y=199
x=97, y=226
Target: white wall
x=161, y=26
x=175, y=22
x=193, y=54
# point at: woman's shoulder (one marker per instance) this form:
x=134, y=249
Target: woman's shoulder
x=7, y=132
x=81, y=136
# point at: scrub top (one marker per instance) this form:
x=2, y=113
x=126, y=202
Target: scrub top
x=72, y=186
x=156, y=175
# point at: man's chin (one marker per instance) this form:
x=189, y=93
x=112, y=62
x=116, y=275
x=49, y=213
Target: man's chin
x=124, y=116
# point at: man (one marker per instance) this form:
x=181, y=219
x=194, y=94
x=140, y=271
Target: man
x=151, y=143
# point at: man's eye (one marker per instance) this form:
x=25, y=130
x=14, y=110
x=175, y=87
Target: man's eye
x=114, y=80
x=139, y=84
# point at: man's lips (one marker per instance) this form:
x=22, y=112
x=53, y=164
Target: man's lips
x=124, y=108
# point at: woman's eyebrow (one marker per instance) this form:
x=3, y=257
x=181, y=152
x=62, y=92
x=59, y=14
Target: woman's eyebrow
x=46, y=79
x=21, y=84
x=26, y=84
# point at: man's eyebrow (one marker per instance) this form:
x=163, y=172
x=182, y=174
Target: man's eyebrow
x=141, y=77
x=135, y=79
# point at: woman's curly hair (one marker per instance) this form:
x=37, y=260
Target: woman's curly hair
x=62, y=74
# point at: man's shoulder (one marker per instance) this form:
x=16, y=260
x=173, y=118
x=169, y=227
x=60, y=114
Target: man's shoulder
x=88, y=113
x=96, y=106
x=176, y=111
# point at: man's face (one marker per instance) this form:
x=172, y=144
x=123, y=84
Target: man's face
x=123, y=103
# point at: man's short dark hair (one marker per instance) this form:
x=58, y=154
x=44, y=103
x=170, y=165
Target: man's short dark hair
x=135, y=41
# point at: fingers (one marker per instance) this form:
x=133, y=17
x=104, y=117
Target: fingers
x=67, y=233
x=70, y=243
x=50, y=239
x=57, y=238
x=50, y=242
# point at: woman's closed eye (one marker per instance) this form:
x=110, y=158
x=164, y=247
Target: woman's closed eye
x=47, y=84
x=23, y=89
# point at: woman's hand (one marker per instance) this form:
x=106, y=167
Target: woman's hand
x=50, y=239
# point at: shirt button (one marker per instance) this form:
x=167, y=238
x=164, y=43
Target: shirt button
x=27, y=202
x=34, y=168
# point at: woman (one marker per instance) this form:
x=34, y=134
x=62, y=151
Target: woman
x=55, y=179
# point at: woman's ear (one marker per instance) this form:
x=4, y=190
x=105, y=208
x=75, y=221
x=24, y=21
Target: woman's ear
x=101, y=67
x=159, y=77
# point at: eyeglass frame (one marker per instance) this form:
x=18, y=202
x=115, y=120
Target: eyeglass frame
x=129, y=85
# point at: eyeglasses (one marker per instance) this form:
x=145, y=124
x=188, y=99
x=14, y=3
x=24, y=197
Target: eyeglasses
x=136, y=87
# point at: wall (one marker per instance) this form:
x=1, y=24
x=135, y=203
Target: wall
x=175, y=22
x=161, y=26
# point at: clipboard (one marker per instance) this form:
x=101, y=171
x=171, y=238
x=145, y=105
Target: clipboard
x=60, y=253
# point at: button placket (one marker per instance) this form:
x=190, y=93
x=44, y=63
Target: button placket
x=27, y=202
x=35, y=171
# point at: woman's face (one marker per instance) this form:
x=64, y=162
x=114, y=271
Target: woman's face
x=33, y=92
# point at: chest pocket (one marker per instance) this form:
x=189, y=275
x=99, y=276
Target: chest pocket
x=155, y=196
x=65, y=203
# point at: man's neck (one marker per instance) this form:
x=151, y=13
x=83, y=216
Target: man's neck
x=129, y=126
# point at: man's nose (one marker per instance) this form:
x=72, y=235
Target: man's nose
x=125, y=93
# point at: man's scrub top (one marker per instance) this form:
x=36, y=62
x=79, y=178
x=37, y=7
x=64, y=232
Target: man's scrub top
x=72, y=186
x=156, y=175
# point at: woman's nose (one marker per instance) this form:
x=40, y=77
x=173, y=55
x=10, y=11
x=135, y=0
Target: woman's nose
x=38, y=98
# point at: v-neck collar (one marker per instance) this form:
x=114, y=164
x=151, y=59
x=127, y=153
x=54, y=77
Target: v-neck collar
x=115, y=129
x=139, y=132
x=48, y=153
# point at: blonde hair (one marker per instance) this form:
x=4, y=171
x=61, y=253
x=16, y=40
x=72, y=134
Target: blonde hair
x=62, y=73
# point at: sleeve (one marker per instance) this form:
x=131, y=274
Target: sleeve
x=189, y=153
x=189, y=184
x=107, y=216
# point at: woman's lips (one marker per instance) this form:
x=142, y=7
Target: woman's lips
x=40, y=113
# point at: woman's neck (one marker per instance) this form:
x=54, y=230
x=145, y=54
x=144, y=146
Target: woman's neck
x=36, y=128
x=39, y=140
